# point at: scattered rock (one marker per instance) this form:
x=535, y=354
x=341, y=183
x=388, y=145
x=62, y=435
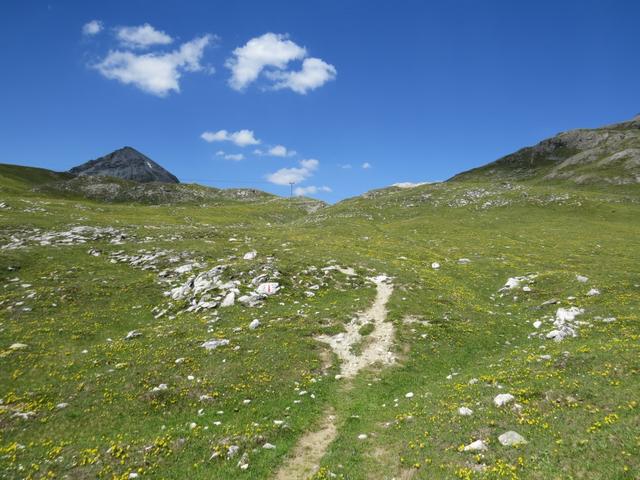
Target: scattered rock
x=503, y=399
x=465, y=411
x=133, y=334
x=254, y=324
x=476, y=446
x=268, y=288
x=213, y=344
x=229, y=300
x=511, y=439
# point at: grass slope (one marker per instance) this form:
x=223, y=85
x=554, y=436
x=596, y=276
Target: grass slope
x=579, y=406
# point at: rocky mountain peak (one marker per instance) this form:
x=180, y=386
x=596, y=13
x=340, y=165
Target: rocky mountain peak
x=126, y=163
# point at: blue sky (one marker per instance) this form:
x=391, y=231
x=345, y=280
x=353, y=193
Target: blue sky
x=416, y=90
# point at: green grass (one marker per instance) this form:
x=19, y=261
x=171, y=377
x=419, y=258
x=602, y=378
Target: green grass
x=579, y=409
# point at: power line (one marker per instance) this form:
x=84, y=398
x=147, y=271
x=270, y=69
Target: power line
x=212, y=180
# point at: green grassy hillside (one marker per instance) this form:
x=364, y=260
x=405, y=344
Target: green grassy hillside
x=103, y=375
x=607, y=155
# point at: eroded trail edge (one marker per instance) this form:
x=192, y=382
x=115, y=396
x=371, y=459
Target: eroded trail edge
x=312, y=446
x=379, y=342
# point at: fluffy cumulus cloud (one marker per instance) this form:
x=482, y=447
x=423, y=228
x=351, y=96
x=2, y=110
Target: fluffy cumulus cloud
x=310, y=190
x=285, y=176
x=241, y=138
x=314, y=74
x=272, y=53
x=268, y=50
x=154, y=73
x=92, y=28
x=143, y=36
x=366, y=165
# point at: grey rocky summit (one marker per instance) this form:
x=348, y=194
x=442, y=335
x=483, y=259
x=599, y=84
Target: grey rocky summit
x=126, y=163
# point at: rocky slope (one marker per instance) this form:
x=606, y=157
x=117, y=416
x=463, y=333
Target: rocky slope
x=126, y=163
x=606, y=155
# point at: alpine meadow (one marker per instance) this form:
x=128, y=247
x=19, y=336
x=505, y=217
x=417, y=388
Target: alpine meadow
x=157, y=324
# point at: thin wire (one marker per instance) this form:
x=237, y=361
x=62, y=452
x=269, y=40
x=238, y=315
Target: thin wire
x=211, y=180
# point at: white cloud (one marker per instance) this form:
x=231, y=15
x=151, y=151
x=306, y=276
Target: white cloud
x=272, y=53
x=236, y=157
x=281, y=151
x=285, y=176
x=314, y=74
x=220, y=153
x=241, y=138
x=310, y=190
x=92, y=28
x=268, y=50
x=142, y=36
x=366, y=165
x=346, y=166
x=154, y=73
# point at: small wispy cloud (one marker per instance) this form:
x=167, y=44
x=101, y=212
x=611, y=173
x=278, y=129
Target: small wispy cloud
x=310, y=190
x=142, y=36
x=366, y=165
x=241, y=138
x=275, y=151
x=346, y=166
x=92, y=28
x=236, y=157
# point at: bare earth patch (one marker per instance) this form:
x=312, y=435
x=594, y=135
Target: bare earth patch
x=379, y=342
x=305, y=458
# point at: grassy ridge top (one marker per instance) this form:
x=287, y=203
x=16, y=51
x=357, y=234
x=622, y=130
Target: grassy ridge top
x=608, y=155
